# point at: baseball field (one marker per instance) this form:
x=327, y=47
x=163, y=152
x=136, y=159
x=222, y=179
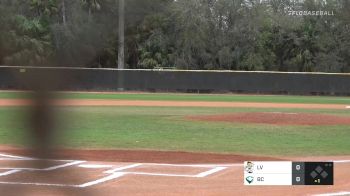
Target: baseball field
x=174, y=144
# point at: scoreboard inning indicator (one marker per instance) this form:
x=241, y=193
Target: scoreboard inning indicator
x=288, y=173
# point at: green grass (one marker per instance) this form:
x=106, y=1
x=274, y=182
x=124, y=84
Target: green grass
x=196, y=97
x=165, y=128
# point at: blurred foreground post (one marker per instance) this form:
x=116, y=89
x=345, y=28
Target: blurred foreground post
x=121, y=34
x=121, y=43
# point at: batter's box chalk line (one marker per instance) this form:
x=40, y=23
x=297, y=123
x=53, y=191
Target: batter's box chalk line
x=55, y=167
x=12, y=157
x=334, y=194
x=113, y=173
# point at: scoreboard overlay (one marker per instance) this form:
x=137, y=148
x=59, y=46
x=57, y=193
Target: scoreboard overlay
x=287, y=173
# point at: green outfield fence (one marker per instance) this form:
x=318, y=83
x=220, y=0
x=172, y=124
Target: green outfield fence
x=84, y=79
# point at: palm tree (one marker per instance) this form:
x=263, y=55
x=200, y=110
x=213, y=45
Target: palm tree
x=91, y=5
x=121, y=34
x=43, y=7
x=63, y=10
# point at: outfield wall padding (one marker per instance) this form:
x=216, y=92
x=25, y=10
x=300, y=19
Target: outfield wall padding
x=81, y=79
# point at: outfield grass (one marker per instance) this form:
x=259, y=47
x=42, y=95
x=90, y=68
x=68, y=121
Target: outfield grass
x=194, y=97
x=165, y=128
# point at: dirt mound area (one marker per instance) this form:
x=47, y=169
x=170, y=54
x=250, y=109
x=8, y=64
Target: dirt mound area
x=276, y=118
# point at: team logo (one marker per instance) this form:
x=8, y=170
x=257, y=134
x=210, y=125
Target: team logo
x=249, y=167
x=249, y=179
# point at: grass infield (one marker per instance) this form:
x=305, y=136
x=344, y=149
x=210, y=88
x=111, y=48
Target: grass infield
x=165, y=128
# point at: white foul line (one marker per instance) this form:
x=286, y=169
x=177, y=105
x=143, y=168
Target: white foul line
x=94, y=166
x=341, y=161
x=159, y=174
x=24, y=169
x=195, y=165
x=333, y=194
x=64, y=165
x=177, y=165
x=45, y=169
x=110, y=177
x=14, y=157
x=9, y=172
x=123, y=168
x=11, y=159
x=38, y=184
x=114, y=173
x=207, y=173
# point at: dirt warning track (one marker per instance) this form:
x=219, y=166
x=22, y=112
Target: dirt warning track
x=98, y=102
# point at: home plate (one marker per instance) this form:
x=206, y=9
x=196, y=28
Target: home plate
x=94, y=166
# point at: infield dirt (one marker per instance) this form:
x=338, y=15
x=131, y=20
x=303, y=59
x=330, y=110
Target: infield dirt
x=276, y=118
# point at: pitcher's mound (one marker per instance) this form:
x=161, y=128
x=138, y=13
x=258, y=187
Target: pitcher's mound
x=276, y=118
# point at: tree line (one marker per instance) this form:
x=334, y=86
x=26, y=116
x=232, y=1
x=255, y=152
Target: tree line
x=252, y=35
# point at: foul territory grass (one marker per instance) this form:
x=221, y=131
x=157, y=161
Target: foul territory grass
x=166, y=128
x=192, y=97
